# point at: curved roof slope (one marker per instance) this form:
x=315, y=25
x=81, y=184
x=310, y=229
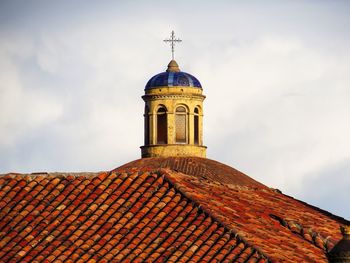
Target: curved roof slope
x=200, y=167
x=158, y=209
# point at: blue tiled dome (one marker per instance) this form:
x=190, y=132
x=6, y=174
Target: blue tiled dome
x=173, y=77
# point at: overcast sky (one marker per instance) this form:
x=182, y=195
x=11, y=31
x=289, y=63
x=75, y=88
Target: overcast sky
x=276, y=75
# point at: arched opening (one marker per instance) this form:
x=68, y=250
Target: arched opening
x=196, y=126
x=162, y=134
x=146, y=116
x=181, y=125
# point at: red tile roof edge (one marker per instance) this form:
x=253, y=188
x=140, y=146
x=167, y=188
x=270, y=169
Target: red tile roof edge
x=341, y=220
x=308, y=234
x=325, y=243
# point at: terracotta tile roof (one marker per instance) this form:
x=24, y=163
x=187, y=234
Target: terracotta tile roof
x=280, y=226
x=143, y=212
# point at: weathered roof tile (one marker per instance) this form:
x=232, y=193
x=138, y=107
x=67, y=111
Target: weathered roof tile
x=141, y=212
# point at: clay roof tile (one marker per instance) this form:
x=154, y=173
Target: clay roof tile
x=151, y=209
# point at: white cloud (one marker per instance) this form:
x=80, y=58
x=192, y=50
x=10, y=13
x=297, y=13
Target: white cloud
x=276, y=79
x=22, y=108
x=283, y=106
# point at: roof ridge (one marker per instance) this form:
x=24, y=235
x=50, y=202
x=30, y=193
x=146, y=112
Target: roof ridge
x=307, y=233
x=165, y=174
x=229, y=229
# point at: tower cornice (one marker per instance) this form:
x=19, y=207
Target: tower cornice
x=172, y=96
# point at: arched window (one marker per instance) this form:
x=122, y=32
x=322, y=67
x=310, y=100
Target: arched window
x=146, y=116
x=196, y=126
x=162, y=136
x=181, y=125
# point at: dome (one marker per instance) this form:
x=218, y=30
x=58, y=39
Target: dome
x=173, y=77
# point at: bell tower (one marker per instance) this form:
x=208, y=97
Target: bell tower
x=173, y=115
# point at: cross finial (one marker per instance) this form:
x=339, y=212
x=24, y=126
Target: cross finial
x=172, y=40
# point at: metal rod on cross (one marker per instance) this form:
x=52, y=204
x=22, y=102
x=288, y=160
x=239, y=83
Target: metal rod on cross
x=172, y=40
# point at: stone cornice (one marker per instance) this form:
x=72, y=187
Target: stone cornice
x=172, y=96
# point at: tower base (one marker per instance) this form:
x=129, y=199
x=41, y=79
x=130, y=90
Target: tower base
x=168, y=150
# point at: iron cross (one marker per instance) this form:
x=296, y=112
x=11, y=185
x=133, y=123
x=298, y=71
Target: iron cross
x=172, y=40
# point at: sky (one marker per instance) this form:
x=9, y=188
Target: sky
x=276, y=74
